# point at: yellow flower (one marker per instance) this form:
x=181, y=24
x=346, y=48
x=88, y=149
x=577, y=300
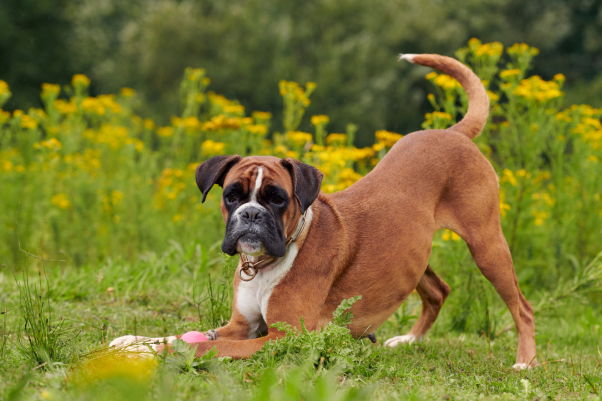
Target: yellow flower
x=258, y=129
x=176, y=218
x=65, y=107
x=123, y=366
x=28, y=122
x=431, y=75
x=298, y=137
x=262, y=115
x=339, y=138
x=92, y=105
x=45, y=394
x=196, y=74
x=212, y=148
x=235, y=109
x=446, y=82
x=474, y=43
x=493, y=96
x=503, y=208
x=593, y=158
x=191, y=123
x=508, y=176
x=62, y=201
x=540, y=217
x=51, y=144
x=149, y=124
x=490, y=49
x=4, y=116
x=509, y=73
x=448, y=234
x=4, y=88
x=523, y=48
x=116, y=197
x=387, y=138
x=222, y=122
x=80, y=79
x=536, y=89
x=7, y=165
x=280, y=149
x=165, y=132
x=559, y=78
x=319, y=119
x=127, y=92
x=50, y=89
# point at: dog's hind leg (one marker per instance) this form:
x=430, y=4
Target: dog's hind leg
x=492, y=255
x=433, y=291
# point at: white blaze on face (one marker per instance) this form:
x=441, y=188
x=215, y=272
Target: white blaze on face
x=258, y=182
x=244, y=248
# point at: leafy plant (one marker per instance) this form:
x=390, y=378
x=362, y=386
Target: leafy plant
x=332, y=347
x=183, y=358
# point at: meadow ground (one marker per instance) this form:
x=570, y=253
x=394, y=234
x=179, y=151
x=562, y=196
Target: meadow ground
x=87, y=180
x=167, y=294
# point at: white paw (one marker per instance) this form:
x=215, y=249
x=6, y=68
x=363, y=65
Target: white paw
x=395, y=341
x=520, y=366
x=126, y=340
x=139, y=343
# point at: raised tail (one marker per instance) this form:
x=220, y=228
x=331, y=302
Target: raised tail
x=478, y=102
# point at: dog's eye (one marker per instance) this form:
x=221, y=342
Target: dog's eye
x=231, y=198
x=278, y=200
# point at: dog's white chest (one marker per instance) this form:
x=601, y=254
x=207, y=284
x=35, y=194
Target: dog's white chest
x=252, y=297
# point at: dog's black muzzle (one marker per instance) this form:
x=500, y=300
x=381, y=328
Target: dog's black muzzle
x=253, y=225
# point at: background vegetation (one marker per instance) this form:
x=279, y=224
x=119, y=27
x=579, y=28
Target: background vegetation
x=247, y=46
x=105, y=182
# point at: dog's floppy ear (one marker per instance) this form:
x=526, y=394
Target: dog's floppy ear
x=306, y=181
x=214, y=171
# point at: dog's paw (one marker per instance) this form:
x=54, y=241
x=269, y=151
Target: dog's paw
x=126, y=340
x=395, y=341
x=140, y=344
x=520, y=366
x=211, y=335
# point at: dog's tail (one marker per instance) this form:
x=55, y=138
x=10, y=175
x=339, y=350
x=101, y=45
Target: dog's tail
x=478, y=102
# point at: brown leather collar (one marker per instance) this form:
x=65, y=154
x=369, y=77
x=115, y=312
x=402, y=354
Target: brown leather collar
x=252, y=268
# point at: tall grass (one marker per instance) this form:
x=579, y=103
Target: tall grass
x=45, y=339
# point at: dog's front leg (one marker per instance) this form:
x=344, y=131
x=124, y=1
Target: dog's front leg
x=236, y=329
x=233, y=348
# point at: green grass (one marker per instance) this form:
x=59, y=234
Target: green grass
x=167, y=294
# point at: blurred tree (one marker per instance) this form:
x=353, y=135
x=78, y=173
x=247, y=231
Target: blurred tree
x=32, y=47
x=348, y=47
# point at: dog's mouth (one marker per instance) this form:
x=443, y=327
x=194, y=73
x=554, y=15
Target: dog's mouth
x=250, y=244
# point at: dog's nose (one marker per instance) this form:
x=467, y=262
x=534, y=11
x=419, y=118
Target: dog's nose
x=251, y=215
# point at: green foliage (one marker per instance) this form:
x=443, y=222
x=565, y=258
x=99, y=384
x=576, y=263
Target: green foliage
x=183, y=358
x=333, y=347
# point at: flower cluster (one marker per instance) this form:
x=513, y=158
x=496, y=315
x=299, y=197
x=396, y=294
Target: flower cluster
x=100, y=161
x=536, y=89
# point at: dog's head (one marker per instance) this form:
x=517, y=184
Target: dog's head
x=262, y=201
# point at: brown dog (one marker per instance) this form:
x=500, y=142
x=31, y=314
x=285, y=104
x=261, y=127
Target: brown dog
x=305, y=251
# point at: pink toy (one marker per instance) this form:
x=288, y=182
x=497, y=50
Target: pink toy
x=194, y=337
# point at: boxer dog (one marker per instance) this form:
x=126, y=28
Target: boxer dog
x=303, y=252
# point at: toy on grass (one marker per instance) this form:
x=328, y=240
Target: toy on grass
x=194, y=337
